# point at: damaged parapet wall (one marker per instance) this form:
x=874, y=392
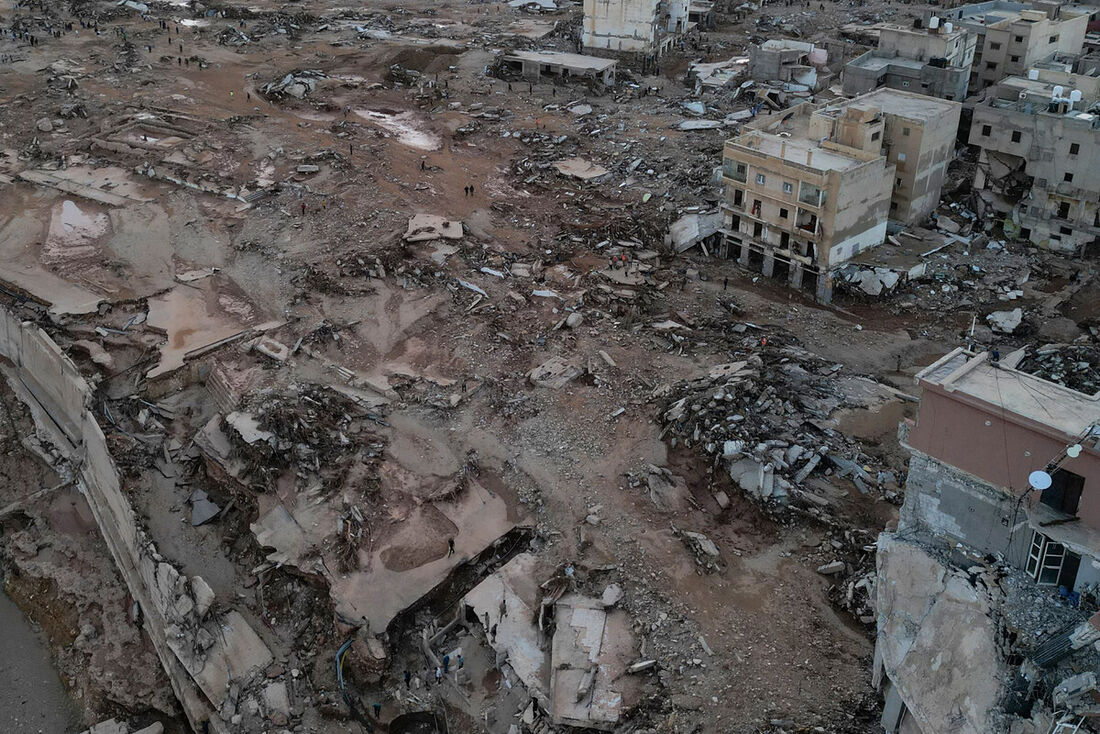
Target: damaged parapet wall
x=175, y=608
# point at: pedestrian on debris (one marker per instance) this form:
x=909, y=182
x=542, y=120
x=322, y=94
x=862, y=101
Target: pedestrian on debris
x=471, y=189
x=450, y=546
x=350, y=150
x=725, y=282
x=446, y=664
x=179, y=61
x=493, y=633
x=461, y=662
x=438, y=674
x=377, y=710
x=503, y=608
x=181, y=48
x=408, y=680
x=303, y=208
x=422, y=164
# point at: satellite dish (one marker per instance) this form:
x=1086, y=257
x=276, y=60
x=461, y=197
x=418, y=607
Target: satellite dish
x=1039, y=479
x=1074, y=451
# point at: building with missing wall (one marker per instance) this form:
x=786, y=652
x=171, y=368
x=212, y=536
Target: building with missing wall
x=646, y=27
x=808, y=189
x=1013, y=36
x=1038, y=137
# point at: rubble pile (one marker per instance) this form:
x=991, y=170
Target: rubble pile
x=1077, y=366
x=312, y=428
x=297, y=84
x=853, y=566
x=762, y=419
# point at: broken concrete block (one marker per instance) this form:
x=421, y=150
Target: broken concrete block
x=555, y=373
x=641, y=666
x=1005, y=321
x=272, y=348
x=427, y=227
x=611, y=595
x=203, y=594
x=308, y=168
x=44, y=125
x=574, y=320
x=202, y=509
x=831, y=569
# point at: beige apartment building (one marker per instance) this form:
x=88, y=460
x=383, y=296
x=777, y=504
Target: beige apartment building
x=636, y=26
x=808, y=189
x=1040, y=156
x=1012, y=36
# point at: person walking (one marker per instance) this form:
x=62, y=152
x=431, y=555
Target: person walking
x=408, y=680
x=446, y=664
x=377, y=710
x=450, y=547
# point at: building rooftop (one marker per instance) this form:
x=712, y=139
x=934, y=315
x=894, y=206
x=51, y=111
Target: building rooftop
x=873, y=62
x=907, y=104
x=1034, y=97
x=1009, y=389
x=573, y=61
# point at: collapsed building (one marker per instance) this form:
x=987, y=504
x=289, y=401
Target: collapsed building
x=1013, y=36
x=998, y=530
x=646, y=27
x=1038, y=137
x=810, y=188
x=798, y=66
x=935, y=61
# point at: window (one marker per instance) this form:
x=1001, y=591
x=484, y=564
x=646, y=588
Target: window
x=783, y=213
x=1050, y=564
x=788, y=188
x=1041, y=183
x=986, y=130
x=1067, y=177
x=893, y=206
x=760, y=179
x=740, y=172
x=1074, y=148
x=1015, y=136
x=1065, y=230
x=901, y=157
x=905, y=131
x=1053, y=39
x=905, y=84
x=1019, y=39
x=1015, y=59
x=1063, y=210
x=875, y=135
x=1064, y=492
x=994, y=46
x=991, y=65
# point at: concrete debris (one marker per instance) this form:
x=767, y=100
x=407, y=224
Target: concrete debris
x=555, y=373
x=581, y=169
x=428, y=227
x=1005, y=321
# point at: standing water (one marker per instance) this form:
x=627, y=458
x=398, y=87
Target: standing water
x=32, y=698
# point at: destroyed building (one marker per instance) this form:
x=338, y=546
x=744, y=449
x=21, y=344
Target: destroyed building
x=1004, y=452
x=1013, y=36
x=1038, y=137
x=646, y=27
x=935, y=61
x=533, y=65
x=807, y=189
x=798, y=66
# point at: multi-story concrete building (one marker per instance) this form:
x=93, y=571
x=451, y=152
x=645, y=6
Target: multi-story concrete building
x=1039, y=137
x=1005, y=465
x=806, y=190
x=636, y=26
x=935, y=61
x=1013, y=36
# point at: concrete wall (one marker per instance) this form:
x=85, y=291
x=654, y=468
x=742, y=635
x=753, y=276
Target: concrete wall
x=958, y=507
x=60, y=398
x=620, y=25
x=927, y=147
x=855, y=218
